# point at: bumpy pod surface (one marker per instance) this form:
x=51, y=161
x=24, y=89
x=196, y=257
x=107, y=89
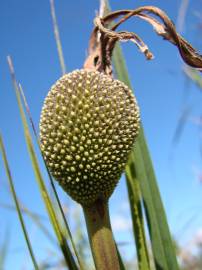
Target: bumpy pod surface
x=87, y=128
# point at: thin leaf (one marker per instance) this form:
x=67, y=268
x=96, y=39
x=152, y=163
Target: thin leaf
x=49, y=206
x=149, y=184
x=162, y=245
x=68, y=232
x=137, y=219
x=184, y=116
x=57, y=38
x=12, y=188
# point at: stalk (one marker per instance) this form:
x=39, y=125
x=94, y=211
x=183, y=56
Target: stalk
x=100, y=236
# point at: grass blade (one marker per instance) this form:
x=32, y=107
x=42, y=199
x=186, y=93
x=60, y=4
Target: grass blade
x=69, y=259
x=183, y=119
x=149, y=184
x=137, y=219
x=162, y=245
x=51, y=181
x=57, y=38
x=12, y=188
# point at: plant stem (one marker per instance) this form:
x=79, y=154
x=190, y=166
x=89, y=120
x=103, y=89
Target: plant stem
x=100, y=236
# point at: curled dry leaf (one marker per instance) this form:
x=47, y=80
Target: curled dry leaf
x=104, y=38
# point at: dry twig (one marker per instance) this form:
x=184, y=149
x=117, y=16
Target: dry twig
x=104, y=38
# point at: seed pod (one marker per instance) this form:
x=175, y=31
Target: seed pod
x=87, y=128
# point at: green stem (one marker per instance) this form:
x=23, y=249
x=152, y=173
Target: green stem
x=100, y=236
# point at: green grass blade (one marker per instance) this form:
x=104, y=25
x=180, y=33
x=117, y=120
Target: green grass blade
x=68, y=232
x=162, y=245
x=57, y=38
x=137, y=219
x=69, y=259
x=150, y=184
x=12, y=188
x=155, y=235
x=182, y=121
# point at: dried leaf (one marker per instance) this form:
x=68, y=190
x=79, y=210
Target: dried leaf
x=103, y=38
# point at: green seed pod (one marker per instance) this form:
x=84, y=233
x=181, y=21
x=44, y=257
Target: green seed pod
x=87, y=128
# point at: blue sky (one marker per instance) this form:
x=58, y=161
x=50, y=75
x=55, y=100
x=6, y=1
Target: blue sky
x=161, y=89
